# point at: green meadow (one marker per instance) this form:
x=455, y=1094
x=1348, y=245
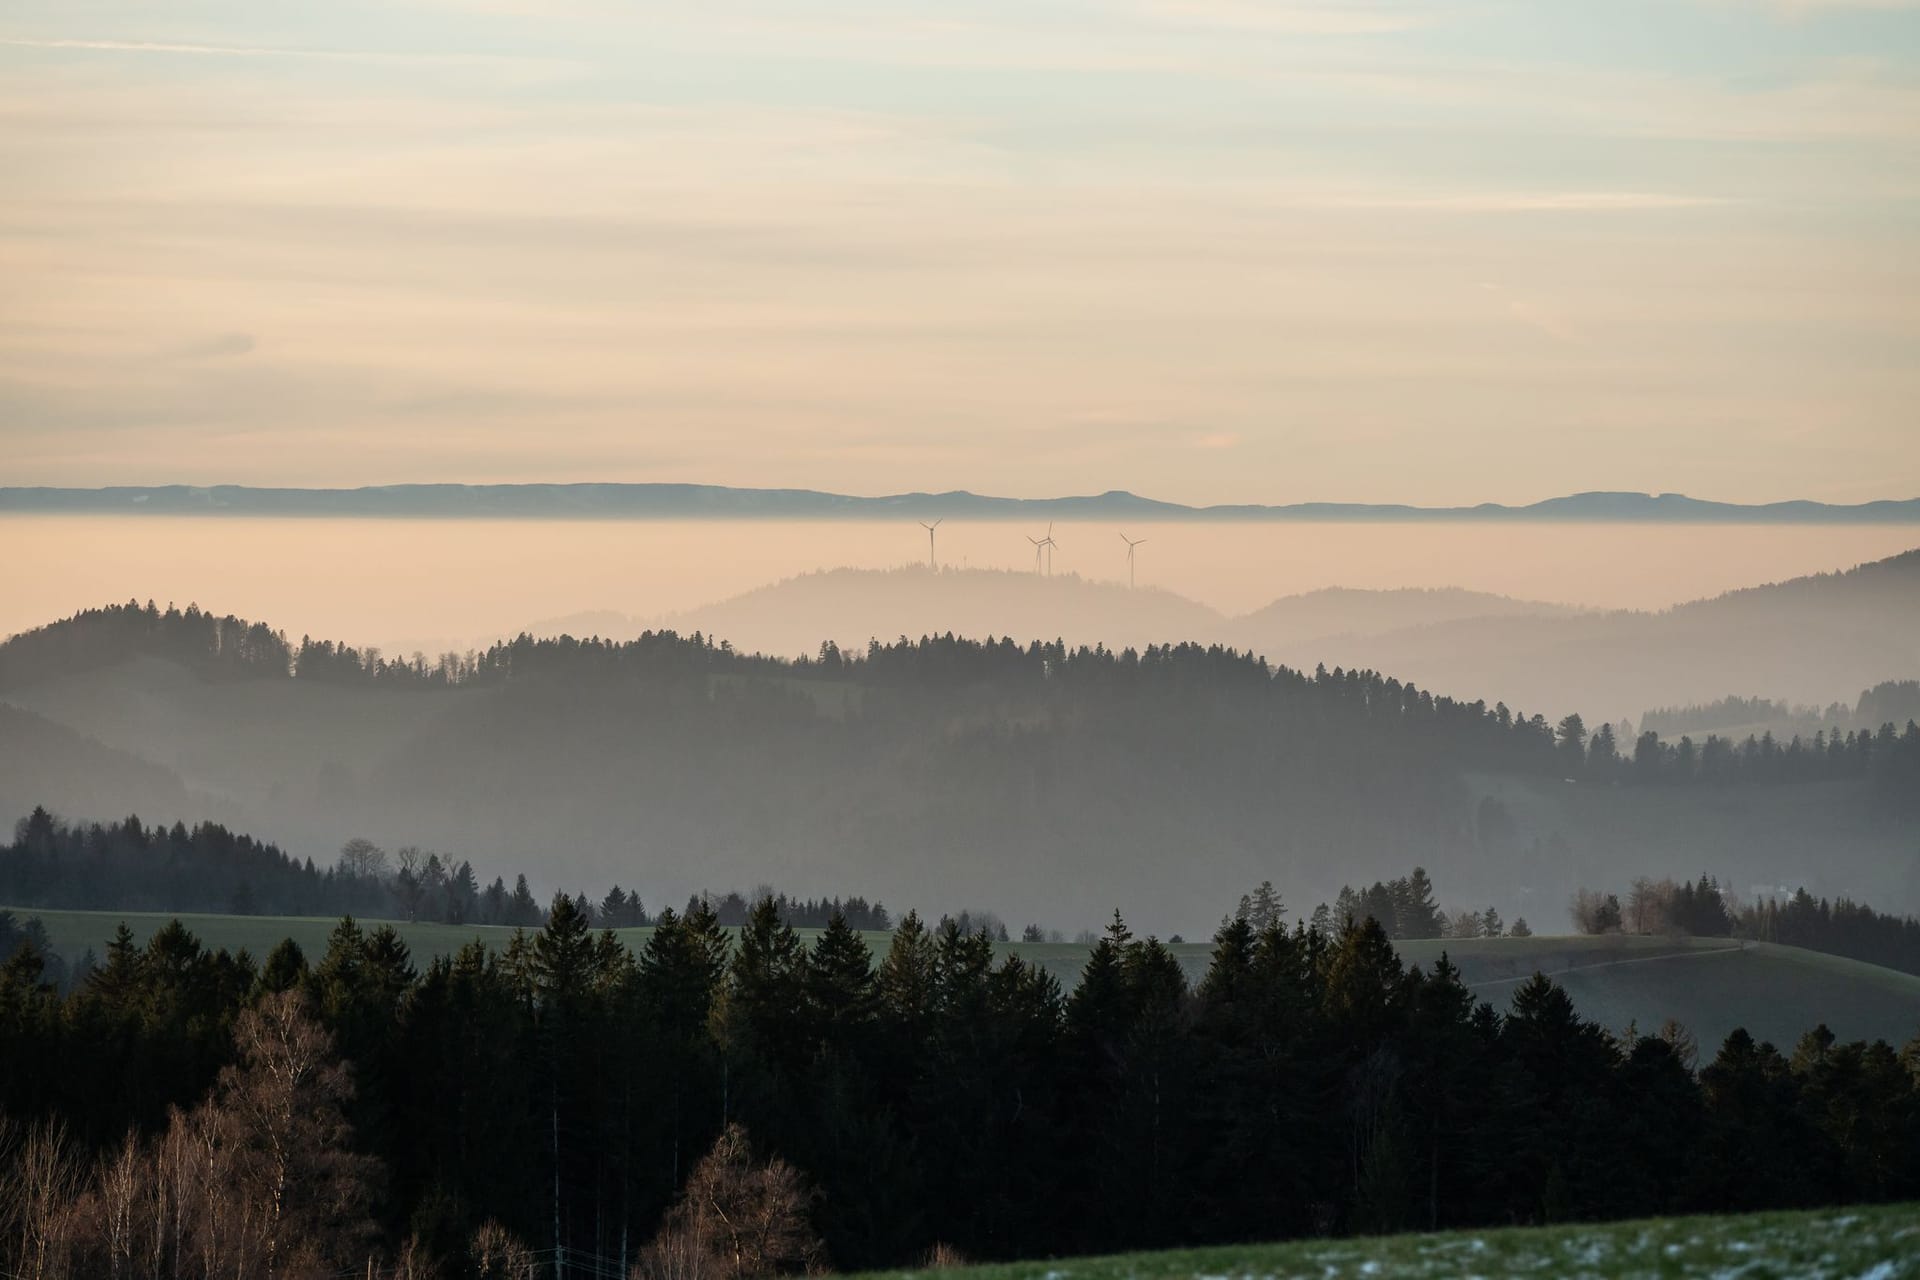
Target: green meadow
x=1873, y=1243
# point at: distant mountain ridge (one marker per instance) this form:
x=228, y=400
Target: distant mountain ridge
x=1813, y=639
x=851, y=606
x=720, y=502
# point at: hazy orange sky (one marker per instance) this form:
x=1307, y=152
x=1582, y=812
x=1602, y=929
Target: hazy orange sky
x=1435, y=251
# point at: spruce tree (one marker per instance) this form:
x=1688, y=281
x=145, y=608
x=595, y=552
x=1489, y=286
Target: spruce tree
x=1230, y=967
x=563, y=956
x=1365, y=984
x=1267, y=909
x=522, y=910
x=1419, y=914
x=905, y=979
x=764, y=1002
x=285, y=969
x=116, y=984
x=841, y=999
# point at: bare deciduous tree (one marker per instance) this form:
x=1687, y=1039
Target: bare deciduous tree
x=258, y=1180
x=1595, y=912
x=281, y=1105
x=39, y=1201
x=363, y=858
x=496, y=1254
x=736, y=1220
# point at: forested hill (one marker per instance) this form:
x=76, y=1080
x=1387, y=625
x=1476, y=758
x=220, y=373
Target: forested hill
x=944, y=770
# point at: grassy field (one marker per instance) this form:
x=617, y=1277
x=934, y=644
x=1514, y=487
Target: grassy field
x=1711, y=985
x=1877, y=1243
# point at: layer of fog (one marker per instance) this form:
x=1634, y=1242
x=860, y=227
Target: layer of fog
x=434, y=585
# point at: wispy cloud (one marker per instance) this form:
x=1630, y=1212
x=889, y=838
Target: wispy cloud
x=175, y=48
x=1806, y=7
x=1291, y=19
x=154, y=46
x=1521, y=201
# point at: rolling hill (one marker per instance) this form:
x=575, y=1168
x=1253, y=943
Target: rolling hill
x=1708, y=985
x=1817, y=639
x=853, y=606
x=1321, y=622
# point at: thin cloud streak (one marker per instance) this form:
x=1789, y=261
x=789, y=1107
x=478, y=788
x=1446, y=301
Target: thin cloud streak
x=263, y=51
x=1289, y=19
x=1525, y=202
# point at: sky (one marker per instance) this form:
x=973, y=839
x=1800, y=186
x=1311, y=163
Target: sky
x=1434, y=251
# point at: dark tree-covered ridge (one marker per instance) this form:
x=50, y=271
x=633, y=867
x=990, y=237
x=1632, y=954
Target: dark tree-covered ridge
x=1492, y=737
x=1309, y=1084
x=129, y=866
x=939, y=770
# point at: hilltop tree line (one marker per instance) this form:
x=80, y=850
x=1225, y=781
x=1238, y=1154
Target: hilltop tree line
x=1703, y=909
x=1699, y=909
x=1840, y=927
x=1889, y=702
x=128, y=866
x=1404, y=907
x=1889, y=757
x=556, y=1095
x=1472, y=733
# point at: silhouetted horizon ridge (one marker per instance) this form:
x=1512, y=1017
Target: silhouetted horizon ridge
x=697, y=501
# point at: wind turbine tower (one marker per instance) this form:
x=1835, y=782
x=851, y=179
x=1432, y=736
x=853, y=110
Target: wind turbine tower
x=1131, y=544
x=932, y=561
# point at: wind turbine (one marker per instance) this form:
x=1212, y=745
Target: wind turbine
x=1039, y=550
x=1131, y=544
x=1049, y=544
x=931, y=562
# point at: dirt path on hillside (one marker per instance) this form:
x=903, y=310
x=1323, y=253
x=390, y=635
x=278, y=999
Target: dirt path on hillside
x=1690, y=953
